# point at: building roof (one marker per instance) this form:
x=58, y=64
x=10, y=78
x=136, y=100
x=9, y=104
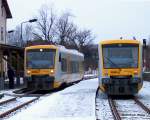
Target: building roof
x=10, y=47
x=6, y=6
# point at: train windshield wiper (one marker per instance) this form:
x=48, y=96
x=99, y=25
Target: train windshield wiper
x=111, y=62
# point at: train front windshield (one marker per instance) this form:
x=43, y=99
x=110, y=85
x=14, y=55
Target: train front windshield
x=120, y=56
x=40, y=58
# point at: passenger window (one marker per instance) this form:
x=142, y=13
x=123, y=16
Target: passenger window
x=64, y=65
x=74, y=67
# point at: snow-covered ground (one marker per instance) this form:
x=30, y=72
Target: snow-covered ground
x=103, y=111
x=10, y=92
x=144, y=94
x=15, y=103
x=127, y=108
x=76, y=102
x=89, y=75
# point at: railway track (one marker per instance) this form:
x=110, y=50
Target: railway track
x=113, y=108
x=138, y=102
x=118, y=115
x=14, y=104
x=7, y=100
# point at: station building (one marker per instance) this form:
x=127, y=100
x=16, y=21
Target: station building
x=9, y=55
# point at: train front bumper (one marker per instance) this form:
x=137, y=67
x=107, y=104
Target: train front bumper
x=121, y=86
x=121, y=80
x=44, y=82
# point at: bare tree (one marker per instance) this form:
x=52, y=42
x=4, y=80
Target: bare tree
x=68, y=34
x=65, y=30
x=28, y=33
x=83, y=39
x=44, y=28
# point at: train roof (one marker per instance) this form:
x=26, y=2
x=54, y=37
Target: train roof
x=60, y=47
x=41, y=46
x=119, y=41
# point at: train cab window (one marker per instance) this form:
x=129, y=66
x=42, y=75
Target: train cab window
x=120, y=56
x=63, y=64
x=40, y=58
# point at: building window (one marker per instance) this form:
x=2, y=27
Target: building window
x=2, y=34
x=2, y=10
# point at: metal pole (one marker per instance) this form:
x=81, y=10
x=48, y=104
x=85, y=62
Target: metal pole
x=21, y=36
x=1, y=74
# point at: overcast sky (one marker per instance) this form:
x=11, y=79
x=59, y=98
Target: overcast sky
x=107, y=19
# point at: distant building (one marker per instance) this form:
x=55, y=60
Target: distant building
x=5, y=13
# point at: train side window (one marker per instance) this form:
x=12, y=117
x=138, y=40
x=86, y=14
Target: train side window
x=74, y=67
x=64, y=65
x=77, y=67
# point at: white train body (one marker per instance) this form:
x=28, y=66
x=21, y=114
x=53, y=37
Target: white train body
x=50, y=66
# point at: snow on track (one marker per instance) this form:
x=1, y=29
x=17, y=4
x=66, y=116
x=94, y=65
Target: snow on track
x=5, y=98
x=74, y=103
x=103, y=111
x=14, y=103
x=128, y=109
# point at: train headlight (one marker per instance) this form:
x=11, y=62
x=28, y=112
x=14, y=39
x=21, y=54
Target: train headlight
x=41, y=50
x=51, y=71
x=28, y=71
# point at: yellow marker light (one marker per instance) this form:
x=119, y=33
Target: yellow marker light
x=106, y=73
x=136, y=72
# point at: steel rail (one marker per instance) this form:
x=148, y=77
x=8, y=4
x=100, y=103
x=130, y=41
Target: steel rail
x=142, y=105
x=113, y=109
x=8, y=100
x=16, y=108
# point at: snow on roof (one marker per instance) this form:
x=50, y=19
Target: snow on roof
x=71, y=51
x=60, y=47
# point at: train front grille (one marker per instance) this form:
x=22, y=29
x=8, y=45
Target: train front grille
x=122, y=86
x=42, y=82
x=120, y=81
